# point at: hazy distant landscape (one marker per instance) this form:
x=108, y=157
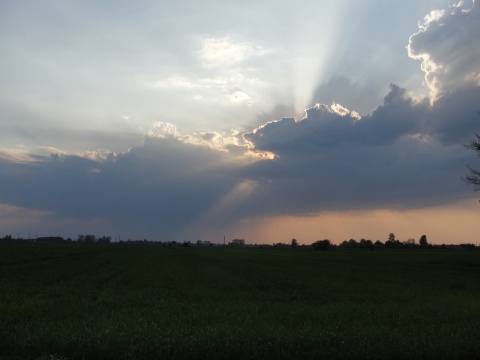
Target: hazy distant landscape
x=131, y=301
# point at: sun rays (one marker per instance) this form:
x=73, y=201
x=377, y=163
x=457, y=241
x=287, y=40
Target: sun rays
x=225, y=206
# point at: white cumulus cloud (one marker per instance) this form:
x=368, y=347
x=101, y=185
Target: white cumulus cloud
x=447, y=45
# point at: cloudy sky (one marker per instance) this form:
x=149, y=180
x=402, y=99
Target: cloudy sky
x=272, y=120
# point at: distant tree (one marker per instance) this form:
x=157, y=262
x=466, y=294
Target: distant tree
x=474, y=177
x=322, y=245
x=423, y=241
x=392, y=242
x=294, y=243
x=391, y=237
x=90, y=239
x=104, y=240
x=352, y=243
x=366, y=243
x=410, y=242
x=378, y=243
x=6, y=238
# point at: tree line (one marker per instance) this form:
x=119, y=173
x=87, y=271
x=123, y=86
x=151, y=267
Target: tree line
x=391, y=243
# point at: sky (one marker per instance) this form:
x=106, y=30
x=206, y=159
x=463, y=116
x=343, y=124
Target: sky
x=265, y=121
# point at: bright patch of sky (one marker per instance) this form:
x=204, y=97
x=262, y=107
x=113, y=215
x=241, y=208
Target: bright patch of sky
x=75, y=72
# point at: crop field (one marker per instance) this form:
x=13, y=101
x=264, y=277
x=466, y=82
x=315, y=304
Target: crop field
x=77, y=301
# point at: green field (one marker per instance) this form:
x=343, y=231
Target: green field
x=74, y=301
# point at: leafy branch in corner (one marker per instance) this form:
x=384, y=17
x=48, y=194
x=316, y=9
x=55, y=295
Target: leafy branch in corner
x=474, y=177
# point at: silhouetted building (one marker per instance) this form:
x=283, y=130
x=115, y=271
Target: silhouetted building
x=238, y=242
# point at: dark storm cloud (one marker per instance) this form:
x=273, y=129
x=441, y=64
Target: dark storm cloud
x=158, y=187
x=324, y=126
x=407, y=153
x=453, y=117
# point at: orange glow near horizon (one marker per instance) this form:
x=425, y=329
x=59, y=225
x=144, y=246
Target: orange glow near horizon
x=451, y=224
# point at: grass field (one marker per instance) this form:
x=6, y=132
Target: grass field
x=74, y=301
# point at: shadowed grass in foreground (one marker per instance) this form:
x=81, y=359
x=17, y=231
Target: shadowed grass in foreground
x=75, y=301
